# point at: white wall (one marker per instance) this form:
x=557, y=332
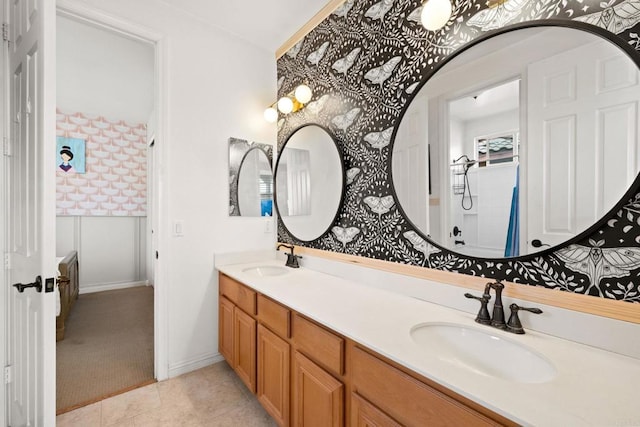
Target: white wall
x=489, y=125
x=111, y=250
x=217, y=86
x=102, y=73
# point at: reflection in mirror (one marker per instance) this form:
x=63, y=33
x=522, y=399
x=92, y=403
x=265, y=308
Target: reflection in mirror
x=309, y=182
x=294, y=194
x=524, y=140
x=255, y=185
x=250, y=178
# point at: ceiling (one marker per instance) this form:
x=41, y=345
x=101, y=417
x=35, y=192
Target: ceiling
x=267, y=24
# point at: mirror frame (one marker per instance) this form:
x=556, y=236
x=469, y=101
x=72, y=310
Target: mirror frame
x=282, y=228
x=243, y=147
x=629, y=194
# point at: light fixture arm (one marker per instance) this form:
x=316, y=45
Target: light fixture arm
x=290, y=103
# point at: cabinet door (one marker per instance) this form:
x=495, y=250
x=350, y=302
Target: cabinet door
x=364, y=414
x=318, y=398
x=273, y=375
x=244, y=354
x=225, y=329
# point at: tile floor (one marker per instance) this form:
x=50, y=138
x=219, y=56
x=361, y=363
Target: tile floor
x=211, y=396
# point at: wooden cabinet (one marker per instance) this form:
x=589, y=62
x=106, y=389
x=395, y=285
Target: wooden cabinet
x=273, y=375
x=325, y=347
x=275, y=316
x=237, y=330
x=318, y=398
x=225, y=329
x=302, y=372
x=239, y=294
x=409, y=401
x=364, y=414
x=244, y=346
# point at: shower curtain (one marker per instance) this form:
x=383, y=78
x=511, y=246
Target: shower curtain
x=512, y=247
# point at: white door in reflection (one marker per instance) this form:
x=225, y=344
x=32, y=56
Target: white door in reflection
x=577, y=101
x=411, y=166
x=295, y=182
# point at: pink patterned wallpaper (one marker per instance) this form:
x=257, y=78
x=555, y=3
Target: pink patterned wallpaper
x=115, y=182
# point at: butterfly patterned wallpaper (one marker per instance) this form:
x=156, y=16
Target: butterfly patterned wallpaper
x=366, y=60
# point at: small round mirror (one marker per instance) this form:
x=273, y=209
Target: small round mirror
x=309, y=183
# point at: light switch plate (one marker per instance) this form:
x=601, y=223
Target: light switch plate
x=268, y=225
x=178, y=228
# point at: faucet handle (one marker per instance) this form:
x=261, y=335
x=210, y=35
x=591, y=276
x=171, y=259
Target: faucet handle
x=514, y=325
x=483, y=316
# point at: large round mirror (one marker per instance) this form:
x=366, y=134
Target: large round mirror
x=255, y=185
x=519, y=143
x=309, y=182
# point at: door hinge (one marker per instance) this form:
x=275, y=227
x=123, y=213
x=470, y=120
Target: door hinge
x=7, y=261
x=8, y=374
x=5, y=31
x=6, y=146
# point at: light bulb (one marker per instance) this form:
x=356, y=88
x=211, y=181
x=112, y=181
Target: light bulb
x=285, y=105
x=435, y=14
x=270, y=115
x=303, y=94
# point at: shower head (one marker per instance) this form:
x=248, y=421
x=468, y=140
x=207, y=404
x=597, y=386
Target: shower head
x=467, y=160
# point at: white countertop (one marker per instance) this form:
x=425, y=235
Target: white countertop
x=592, y=387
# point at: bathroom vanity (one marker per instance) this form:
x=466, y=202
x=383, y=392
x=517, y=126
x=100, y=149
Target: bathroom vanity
x=321, y=350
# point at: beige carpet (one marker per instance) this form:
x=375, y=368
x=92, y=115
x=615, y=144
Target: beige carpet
x=107, y=348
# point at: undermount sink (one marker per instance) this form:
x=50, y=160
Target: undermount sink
x=266, y=270
x=483, y=352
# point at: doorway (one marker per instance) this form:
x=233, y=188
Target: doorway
x=484, y=140
x=106, y=108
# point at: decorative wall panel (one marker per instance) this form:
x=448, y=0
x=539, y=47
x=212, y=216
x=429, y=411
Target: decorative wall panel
x=366, y=61
x=115, y=181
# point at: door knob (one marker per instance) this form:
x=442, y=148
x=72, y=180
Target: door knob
x=37, y=284
x=536, y=243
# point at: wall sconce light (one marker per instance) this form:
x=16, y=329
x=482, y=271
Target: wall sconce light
x=289, y=103
x=435, y=14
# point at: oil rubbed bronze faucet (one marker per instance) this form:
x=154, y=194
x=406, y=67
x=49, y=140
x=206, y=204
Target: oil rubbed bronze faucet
x=497, y=318
x=292, y=260
x=514, y=325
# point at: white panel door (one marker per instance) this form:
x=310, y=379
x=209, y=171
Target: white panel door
x=30, y=218
x=298, y=182
x=411, y=167
x=582, y=138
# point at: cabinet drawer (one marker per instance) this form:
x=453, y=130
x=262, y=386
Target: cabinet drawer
x=239, y=294
x=318, y=343
x=274, y=316
x=407, y=400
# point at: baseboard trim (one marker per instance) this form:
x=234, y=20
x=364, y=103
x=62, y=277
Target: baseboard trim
x=111, y=287
x=186, y=366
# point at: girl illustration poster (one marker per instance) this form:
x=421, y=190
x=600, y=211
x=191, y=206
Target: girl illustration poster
x=70, y=155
